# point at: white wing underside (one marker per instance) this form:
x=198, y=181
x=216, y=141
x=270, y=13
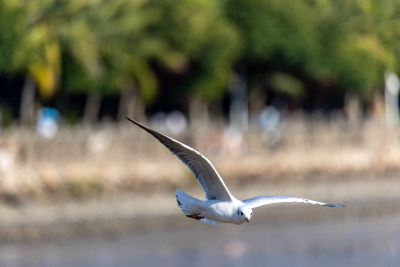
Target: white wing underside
x=266, y=200
x=200, y=166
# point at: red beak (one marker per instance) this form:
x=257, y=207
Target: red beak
x=247, y=219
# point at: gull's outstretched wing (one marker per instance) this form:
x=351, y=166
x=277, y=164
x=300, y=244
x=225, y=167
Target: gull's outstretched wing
x=265, y=200
x=201, y=167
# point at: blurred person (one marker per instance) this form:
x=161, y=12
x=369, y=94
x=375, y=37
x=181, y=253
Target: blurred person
x=270, y=120
x=6, y=160
x=176, y=122
x=157, y=121
x=234, y=144
x=392, y=85
x=47, y=124
x=214, y=143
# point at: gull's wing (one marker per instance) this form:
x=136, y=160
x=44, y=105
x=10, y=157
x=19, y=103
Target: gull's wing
x=201, y=167
x=265, y=200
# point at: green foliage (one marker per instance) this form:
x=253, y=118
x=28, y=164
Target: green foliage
x=199, y=30
x=11, y=34
x=347, y=44
x=287, y=84
x=103, y=47
x=83, y=187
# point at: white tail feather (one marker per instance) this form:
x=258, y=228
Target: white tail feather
x=191, y=206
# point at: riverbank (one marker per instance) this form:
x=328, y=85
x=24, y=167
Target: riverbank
x=82, y=161
x=113, y=215
x=113, y=179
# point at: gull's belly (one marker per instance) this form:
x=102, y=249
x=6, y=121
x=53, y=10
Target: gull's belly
x=220, y=211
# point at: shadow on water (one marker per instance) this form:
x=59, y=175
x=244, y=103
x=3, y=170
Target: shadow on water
x=360, y=235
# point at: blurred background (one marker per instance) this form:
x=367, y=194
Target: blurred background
x=285, y=97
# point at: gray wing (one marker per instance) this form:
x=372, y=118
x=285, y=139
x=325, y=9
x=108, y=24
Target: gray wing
x=201, y=167
x=265, y=200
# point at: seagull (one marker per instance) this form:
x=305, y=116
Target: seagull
x=220, y=205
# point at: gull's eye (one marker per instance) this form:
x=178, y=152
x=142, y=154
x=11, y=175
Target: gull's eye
x=241, y=213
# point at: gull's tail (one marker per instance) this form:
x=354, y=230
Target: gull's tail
x=190, y=206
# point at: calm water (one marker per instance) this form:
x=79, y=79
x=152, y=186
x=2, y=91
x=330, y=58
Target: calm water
x=342, y=242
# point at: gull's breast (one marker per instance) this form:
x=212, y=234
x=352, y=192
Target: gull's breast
x=220, y=211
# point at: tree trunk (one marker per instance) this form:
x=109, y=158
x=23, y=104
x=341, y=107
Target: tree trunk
x=392, y=85
x=377, y=111
x=198, y=113
x=92, y=108
x=27, y=108
x=238, y=110
x=130, y=104
x=353, y=109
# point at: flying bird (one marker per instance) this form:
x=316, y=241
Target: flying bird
x=220, y=205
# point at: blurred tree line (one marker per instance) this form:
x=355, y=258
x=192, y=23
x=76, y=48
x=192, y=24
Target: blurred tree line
x=117, y=57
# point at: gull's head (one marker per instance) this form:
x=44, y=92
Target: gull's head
x=245, y=213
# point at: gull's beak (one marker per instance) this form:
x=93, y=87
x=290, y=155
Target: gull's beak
x=247, y=219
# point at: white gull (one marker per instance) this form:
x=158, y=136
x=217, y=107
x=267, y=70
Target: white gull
x=220, y=205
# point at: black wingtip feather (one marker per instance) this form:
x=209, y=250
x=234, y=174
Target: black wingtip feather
x=140, y=125
x=334, y=206
x=160, y=137
x=129, y=119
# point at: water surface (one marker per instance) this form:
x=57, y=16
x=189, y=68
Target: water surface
x=371, y=241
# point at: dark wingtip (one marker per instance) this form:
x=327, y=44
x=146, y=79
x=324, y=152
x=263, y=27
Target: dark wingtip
x=129, y=119
x=141, y=126
x=334, y=206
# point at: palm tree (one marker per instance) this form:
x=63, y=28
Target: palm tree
x=35, y=52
